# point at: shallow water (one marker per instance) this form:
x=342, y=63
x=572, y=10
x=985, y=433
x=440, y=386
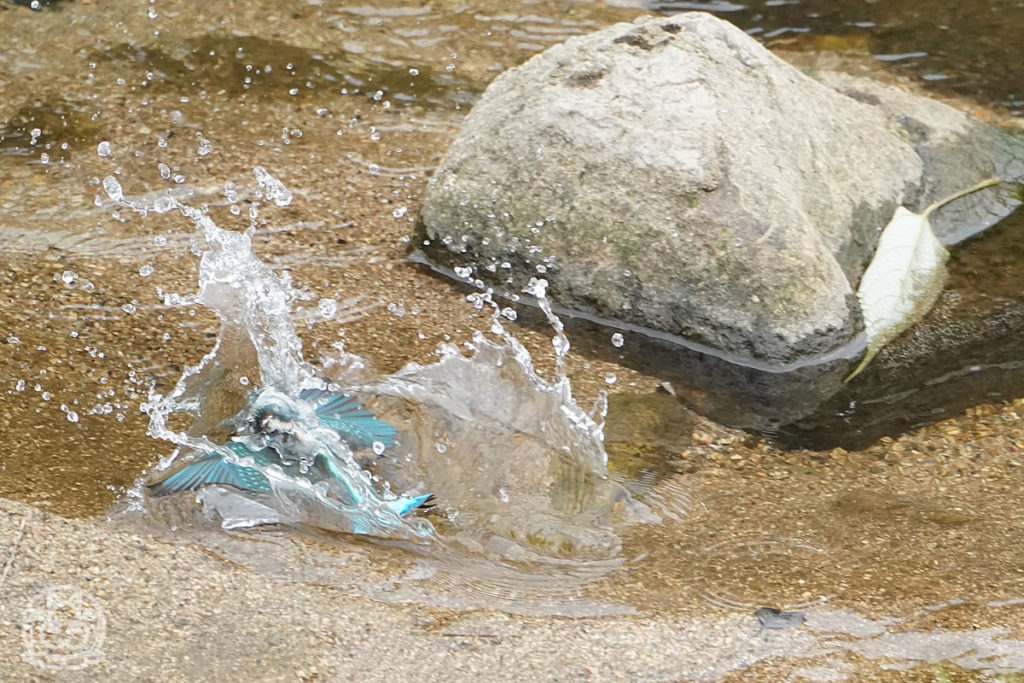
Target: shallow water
x=918, y=535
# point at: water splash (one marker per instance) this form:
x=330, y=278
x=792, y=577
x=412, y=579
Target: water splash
x=257, y=339
x=518, y=467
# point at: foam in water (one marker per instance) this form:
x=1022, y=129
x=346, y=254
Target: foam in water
x=519, y=469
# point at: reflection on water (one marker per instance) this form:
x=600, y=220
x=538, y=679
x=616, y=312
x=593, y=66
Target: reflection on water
x=906, y=551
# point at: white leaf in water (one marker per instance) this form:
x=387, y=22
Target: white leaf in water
x=905, y=277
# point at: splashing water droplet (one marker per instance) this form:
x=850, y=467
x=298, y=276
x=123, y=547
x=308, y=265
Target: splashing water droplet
x=273, y=188
x=164, y=205
x=617, y=340
x=104, y=149
x=328, y=308
x=610, y=378
x=378, y=447
x=113, y=188
x=72, y=416
x=146, y=270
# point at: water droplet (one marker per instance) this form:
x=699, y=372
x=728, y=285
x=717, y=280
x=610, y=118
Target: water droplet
x=618, y=340
x=69, y=277
x=165, y=170
x=610, y=378
x=414, y=72
x=463, y=271
x=72, y=416
x=400, y=211
x=509, y=313
x=20, y=386
x=113, y=188
x=11, y=339
x=146, y=270
x=244, y=381
x=103, y=149
x=205, y=148
x=129, y=308
x=44, y=158
x=273, y=188
x=441, y=448
x=328, y=308
x=160, y=240
x=378, y=447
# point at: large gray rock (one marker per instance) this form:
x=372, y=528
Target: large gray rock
x=675, y=175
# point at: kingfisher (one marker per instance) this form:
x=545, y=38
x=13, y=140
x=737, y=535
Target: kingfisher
x=296, y=436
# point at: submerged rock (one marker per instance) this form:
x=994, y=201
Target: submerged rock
x=674, y=179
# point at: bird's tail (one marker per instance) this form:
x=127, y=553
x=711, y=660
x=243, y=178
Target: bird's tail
x=403, y=506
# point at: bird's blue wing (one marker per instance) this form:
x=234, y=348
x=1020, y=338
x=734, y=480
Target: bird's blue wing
x=214, y=469
x=345, y=415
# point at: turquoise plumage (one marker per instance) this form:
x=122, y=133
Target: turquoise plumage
x=281, y=432
x=344, y=415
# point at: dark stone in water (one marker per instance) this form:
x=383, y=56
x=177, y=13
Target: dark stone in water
x=777, y=619
x=38, y=4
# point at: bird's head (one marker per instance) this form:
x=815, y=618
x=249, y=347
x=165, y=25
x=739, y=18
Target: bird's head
x=273, y=412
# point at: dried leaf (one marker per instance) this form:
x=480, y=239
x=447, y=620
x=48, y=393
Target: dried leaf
x=905, y=277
